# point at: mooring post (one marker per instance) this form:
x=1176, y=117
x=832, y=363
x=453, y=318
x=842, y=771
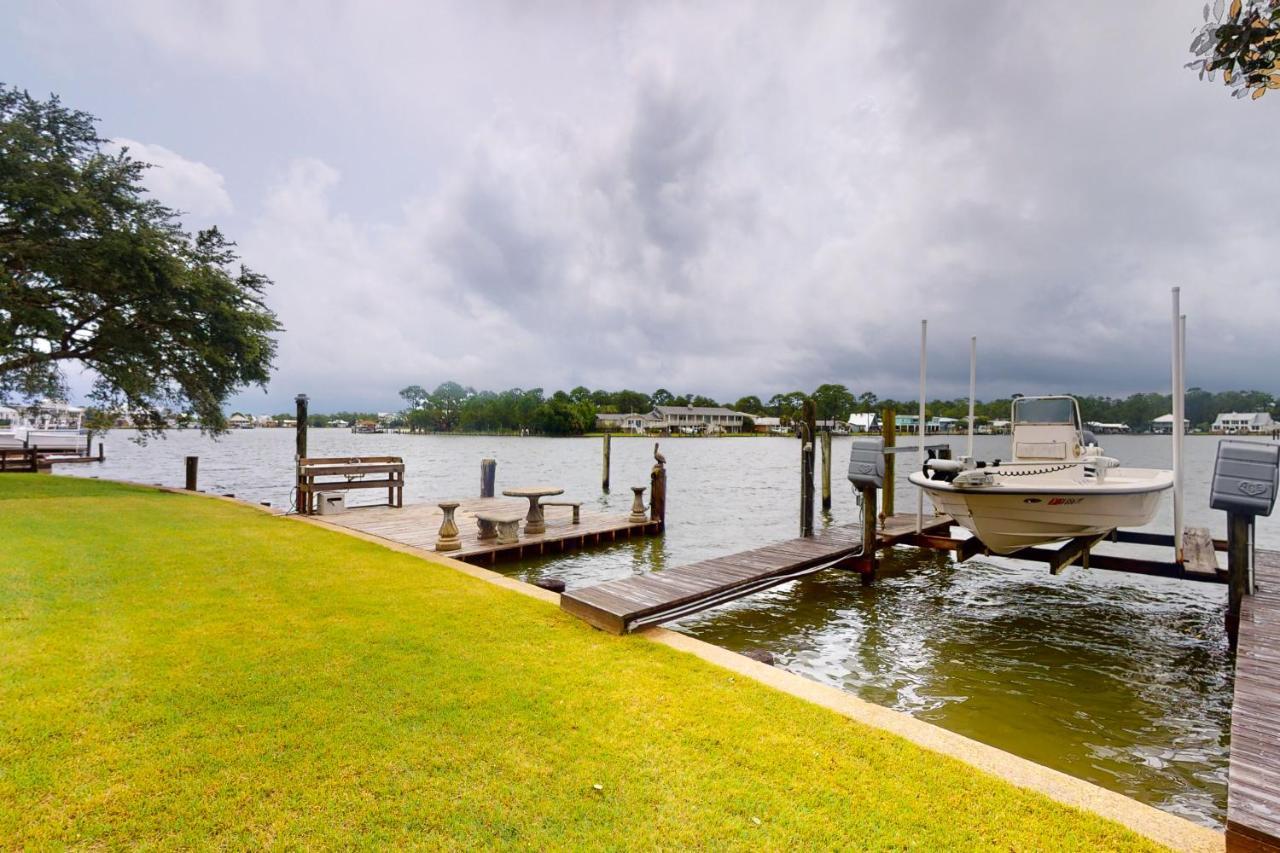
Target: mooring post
x=488, y=477
x=867, y=563
x=102, y=453
x=1237, y=572
x=193, y=467
x=889, y=432
x=301, y=449
x=658, y=494
x=604, y=481
x=807, y=428
x=300, y=453
x=826, y=470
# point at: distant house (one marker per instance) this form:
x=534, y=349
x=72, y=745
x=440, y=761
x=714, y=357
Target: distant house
x=339, y=423
x=768, y=424
x=240, y=421
x=632, y=422
x=49, y=414
x=864, y=422
x=695, y=419
x=8, y=416
x=1232, y=423
x=1163, y=425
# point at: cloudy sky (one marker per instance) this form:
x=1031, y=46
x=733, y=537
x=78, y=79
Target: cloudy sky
x=717, y=198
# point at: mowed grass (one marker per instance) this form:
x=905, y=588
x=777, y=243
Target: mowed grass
x=180, y=671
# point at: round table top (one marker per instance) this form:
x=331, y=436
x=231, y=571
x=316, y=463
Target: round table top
x=533, y=492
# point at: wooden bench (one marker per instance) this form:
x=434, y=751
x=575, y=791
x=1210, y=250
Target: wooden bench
x=310, y=469
x=503, y=526
x=577, y=506
x=22, y=459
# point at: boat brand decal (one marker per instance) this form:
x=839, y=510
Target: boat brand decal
x=1252, y=489
x=1064, y=501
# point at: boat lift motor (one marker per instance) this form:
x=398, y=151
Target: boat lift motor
x=866, y=464
x=1246, y=477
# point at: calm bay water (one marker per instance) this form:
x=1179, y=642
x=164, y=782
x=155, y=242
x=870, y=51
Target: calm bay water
x=1121, y=680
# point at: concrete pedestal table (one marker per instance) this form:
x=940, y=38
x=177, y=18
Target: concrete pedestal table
x=534, y=522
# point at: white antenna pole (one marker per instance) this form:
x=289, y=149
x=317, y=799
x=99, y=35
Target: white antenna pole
x=1177, y=426
x=973, y=387
x=1182, y=430
x=924, y=333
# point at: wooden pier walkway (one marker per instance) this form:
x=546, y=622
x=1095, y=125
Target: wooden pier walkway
x=418, y=526
x=1253, y=787
x=622, y=605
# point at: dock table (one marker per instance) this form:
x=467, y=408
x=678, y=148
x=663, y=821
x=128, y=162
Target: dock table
x=534, y=522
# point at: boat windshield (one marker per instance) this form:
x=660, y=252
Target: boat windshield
x=1044, y=410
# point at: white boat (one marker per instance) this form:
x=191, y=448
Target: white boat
x=1057, y=486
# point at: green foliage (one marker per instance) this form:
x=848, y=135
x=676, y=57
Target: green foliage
x=180, y=672
x=94, y=271
x=1242, y=41
x=833, y=402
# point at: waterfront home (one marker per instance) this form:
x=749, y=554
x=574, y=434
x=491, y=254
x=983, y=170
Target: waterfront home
x=47, y=414
x=8, y=416
x=1244, y=422
x=693, y=419
x=633, y=422
x=1163, y=425
x=239, y=420
x=864, y=422
x=767, y=424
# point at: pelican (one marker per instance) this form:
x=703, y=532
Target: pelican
x=662, y=460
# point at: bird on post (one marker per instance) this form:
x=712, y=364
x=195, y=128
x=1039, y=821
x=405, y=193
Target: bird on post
x=662, y=460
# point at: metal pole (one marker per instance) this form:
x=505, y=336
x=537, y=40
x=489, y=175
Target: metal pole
x=924, y=333
x=973, y=387
x=1176, y=432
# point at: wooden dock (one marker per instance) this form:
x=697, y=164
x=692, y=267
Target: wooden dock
x=623, y=605
x=418, y=526
x=1253, y=787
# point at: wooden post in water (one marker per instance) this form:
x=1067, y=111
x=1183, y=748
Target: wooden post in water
x=658, y=494
x=826, y=469
x=807, y=428
x=488, y=477
x=867, y=563
x=102, y=453
x=889, y=431
x=604, y=481
x=301, y=449
x=193, y=467
x=1237, y=572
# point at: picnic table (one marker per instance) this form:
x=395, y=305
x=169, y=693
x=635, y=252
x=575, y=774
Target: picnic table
x=534, y=522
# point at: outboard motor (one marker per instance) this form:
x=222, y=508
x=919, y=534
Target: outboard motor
x=943, y=469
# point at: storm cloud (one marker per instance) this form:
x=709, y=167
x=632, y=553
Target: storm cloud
x=714, y=198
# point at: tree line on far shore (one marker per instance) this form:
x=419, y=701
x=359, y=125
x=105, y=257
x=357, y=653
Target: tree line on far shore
x=453, y=407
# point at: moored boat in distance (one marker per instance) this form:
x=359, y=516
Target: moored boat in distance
x=1058, y=486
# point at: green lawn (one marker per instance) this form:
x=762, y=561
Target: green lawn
x=181, y=671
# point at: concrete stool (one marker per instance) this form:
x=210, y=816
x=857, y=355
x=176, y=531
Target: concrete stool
x=638, y=514
x=448, y=539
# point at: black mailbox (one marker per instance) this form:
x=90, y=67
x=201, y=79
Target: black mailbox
x=1245, y=477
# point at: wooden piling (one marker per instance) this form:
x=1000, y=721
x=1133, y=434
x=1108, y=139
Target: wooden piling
x=808, y=427
x=301, y=448
x=889, y=432
x=604, y=481
x=658, y=494
x=867, y=562
x=488, y=477
x=102, y=453
x=1237, y=572
x=826, y=470
x=193, y=468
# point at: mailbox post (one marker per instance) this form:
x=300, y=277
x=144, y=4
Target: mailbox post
x=1246, y=475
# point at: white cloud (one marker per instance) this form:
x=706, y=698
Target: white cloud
x=186, y=185
x=720, y=198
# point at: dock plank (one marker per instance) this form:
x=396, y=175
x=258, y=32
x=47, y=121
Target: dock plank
x=1253, y=788
x=418, y=526
x=619, y=605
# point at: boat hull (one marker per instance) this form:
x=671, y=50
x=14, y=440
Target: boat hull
x=1007, y=519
